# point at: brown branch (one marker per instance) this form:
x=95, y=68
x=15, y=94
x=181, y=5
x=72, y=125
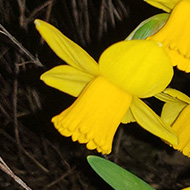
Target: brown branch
x=15, y=92
x=35, y=60
x=22, y=4
x=59, y=179
x=49, y=9
x=26, y=153
x=101, y=19
x=48, y=13
x=8, y=171
x=38, y=9
x=87, y=23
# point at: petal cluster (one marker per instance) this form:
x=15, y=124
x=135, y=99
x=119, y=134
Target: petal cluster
x=182, y=128
x=176, y=112
x=108, y=93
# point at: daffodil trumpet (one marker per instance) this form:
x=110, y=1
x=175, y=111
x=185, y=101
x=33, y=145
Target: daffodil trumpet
x=175, y=35
x=108, y=93
x=176, y=112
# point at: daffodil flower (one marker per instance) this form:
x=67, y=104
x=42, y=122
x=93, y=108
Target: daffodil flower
x=176, y=112
x=108, y=93
x=166, y=5
x=175, y=35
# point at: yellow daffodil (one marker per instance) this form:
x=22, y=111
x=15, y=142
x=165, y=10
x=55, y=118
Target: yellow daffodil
x=175, y=36
x=187, y=188
x=107, y=92
x=176, y=112
x=166, y=5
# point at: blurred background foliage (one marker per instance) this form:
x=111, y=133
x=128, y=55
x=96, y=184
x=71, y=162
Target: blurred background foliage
x=30, y=145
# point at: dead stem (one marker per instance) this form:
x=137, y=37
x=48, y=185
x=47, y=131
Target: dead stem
x=59, y=179
x=111, y=12
x=101, y=19
x=22, y=4
x=8, y=171
x=15, y=120
x=86, y=23
x=48, y=4
x=78, y=19
x=26, y=153
x=48, y=13
x=35, y=60
x=49, y=9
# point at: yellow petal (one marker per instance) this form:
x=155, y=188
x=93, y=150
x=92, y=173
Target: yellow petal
x=66, y=79
x=95, y=116
x=187, y=188
x=175, y=102
x=175, y=36
x=150, y=121
x=66, y=49
x=142, y=69
x=177, y=95
x=182, y=127
x=128, y=117
x=166, y=5
x=166, y=98
x=170, y=111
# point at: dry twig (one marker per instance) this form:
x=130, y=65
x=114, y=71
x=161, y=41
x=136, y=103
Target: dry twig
x=35, y=60
x=7, y=170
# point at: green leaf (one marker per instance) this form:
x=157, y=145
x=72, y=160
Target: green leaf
x=148, y=27
x=115, y=176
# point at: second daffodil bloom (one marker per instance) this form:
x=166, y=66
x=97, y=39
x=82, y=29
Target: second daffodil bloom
x=175, y=35
x=176, y=112
x=166, y=5
x=107, y=92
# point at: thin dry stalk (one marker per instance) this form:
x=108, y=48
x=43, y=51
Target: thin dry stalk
x=22, y=6
x=26, y=153
x=48, y=4
x=8, y=171
x=35, y=60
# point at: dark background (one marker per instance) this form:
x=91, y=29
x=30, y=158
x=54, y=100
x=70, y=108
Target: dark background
x=29, y=144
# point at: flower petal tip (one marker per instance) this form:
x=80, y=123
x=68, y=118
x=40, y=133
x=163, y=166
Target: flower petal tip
x=43, y=76
x=37, y=22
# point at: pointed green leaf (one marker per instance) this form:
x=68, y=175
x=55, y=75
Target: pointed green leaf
x=115, y=176
x=149, y=27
